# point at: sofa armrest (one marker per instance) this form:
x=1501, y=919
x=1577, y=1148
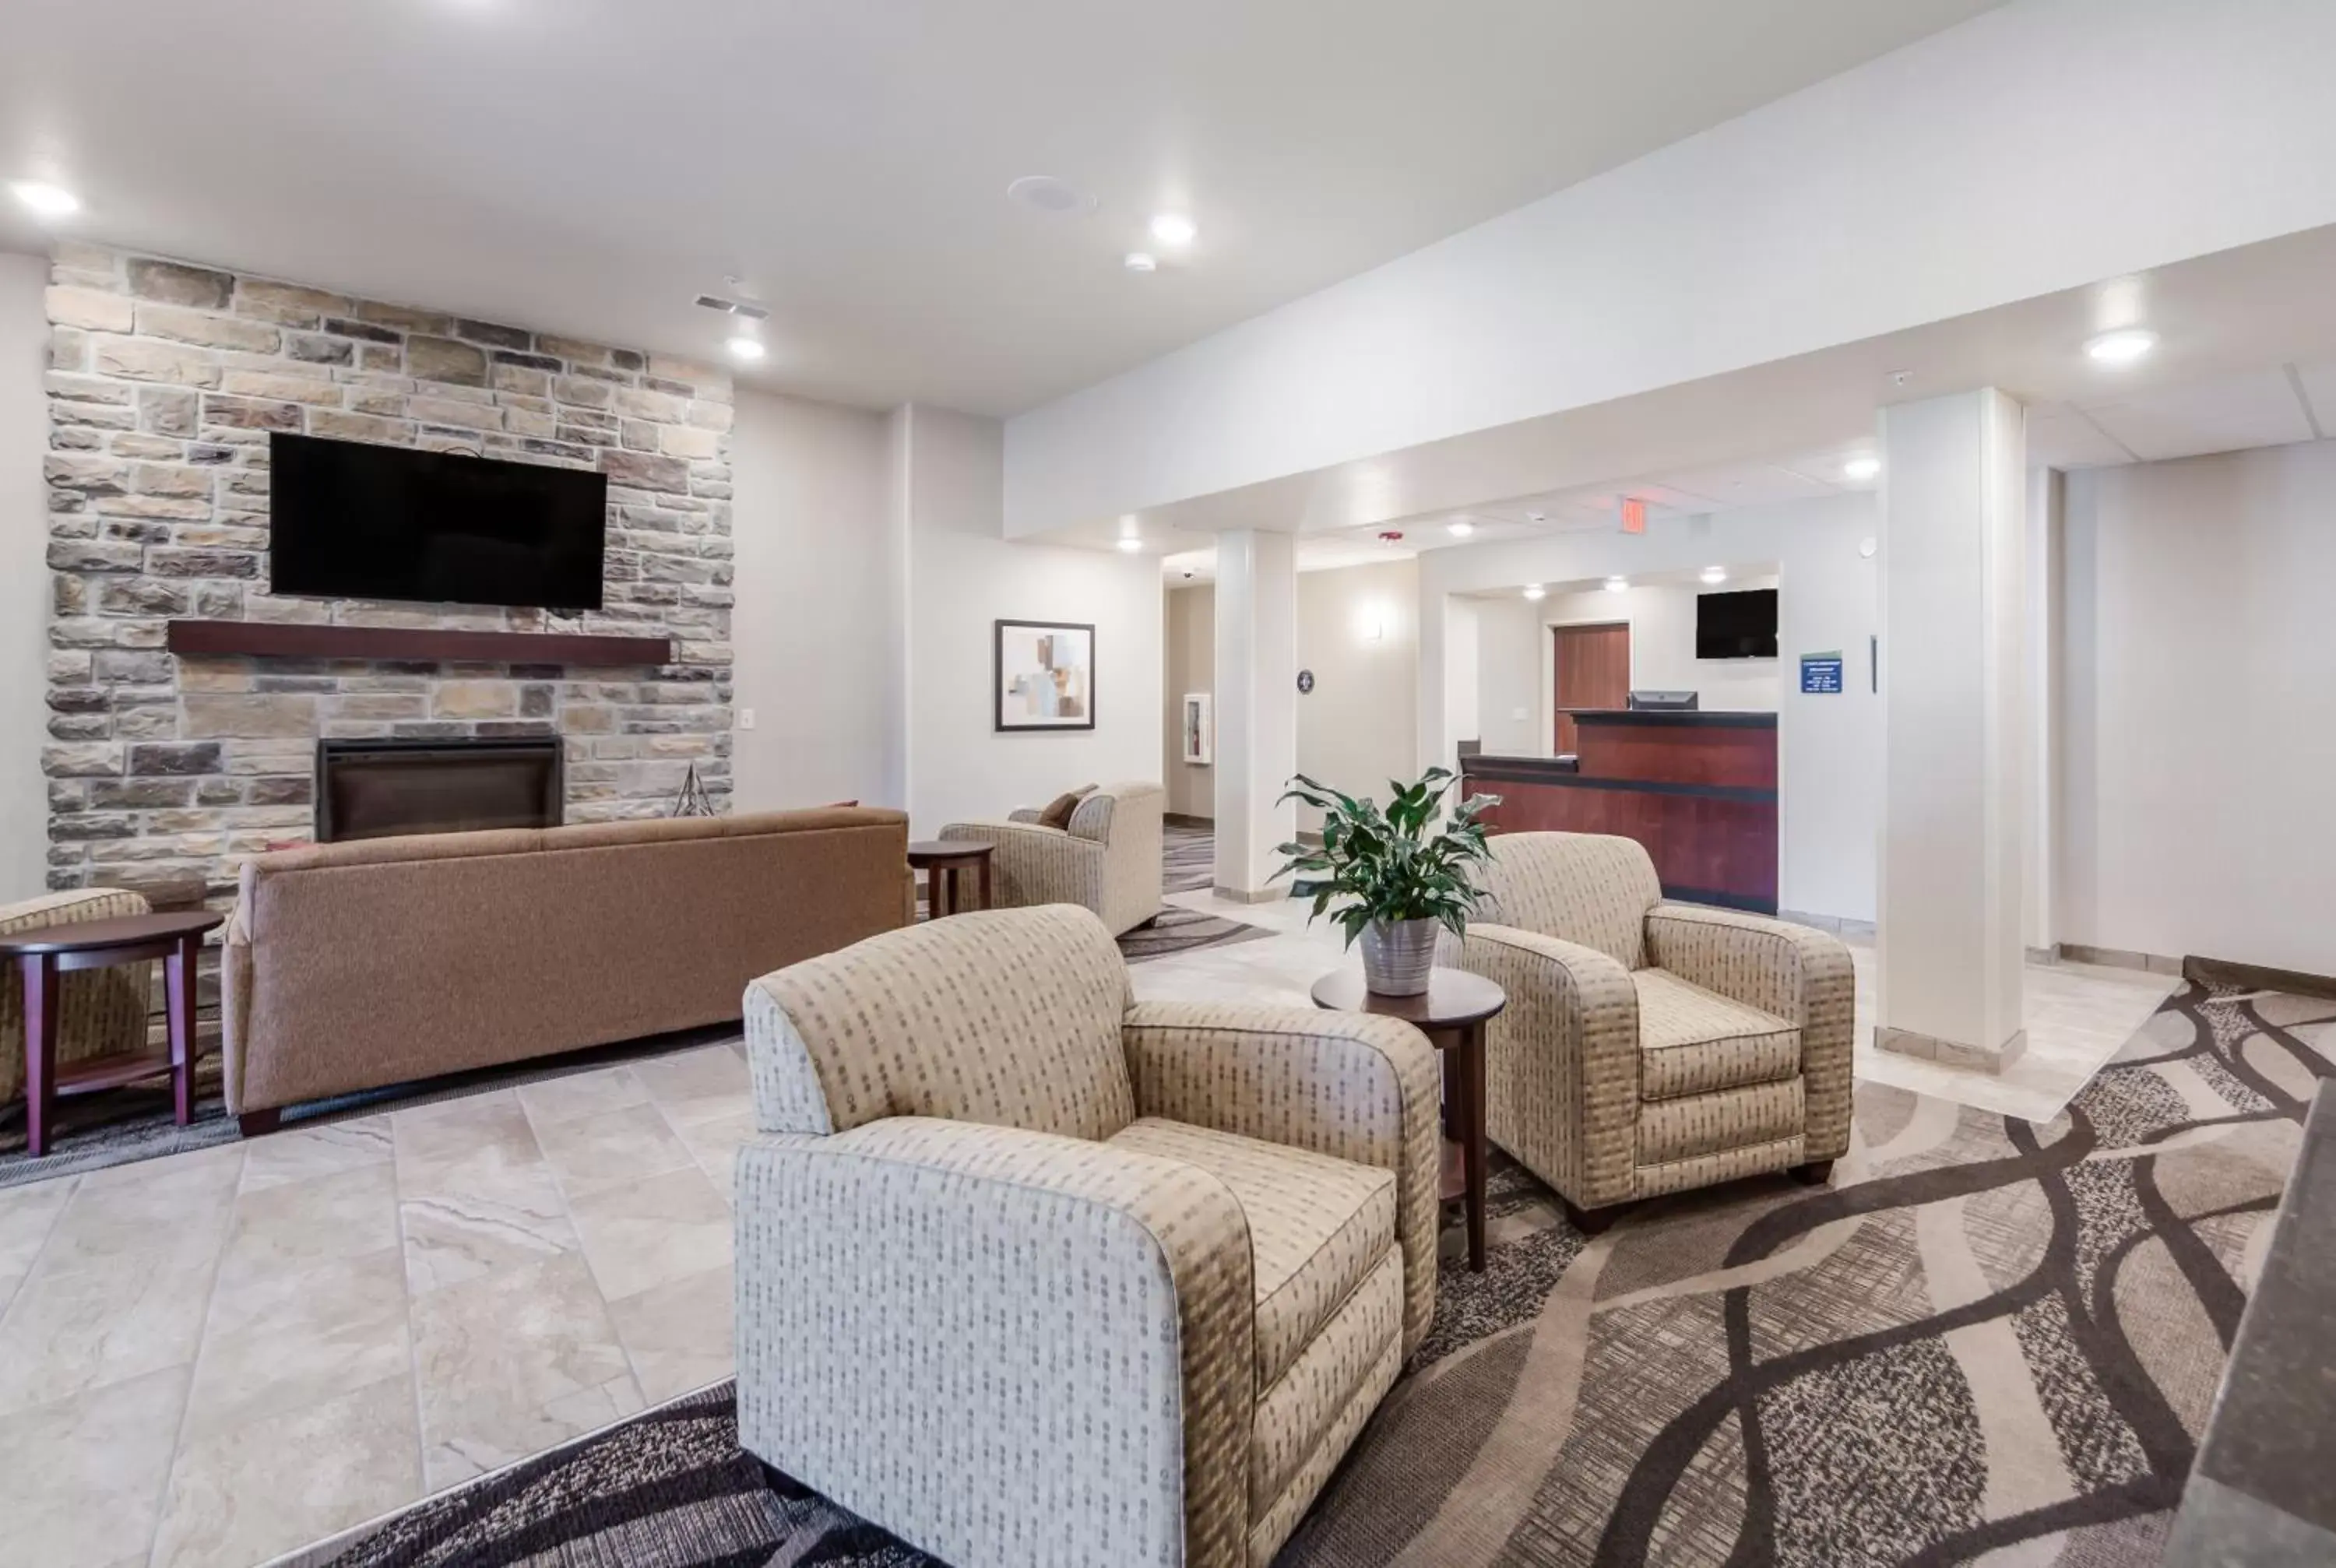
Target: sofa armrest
x=1561, y=1061
x=1793, y=971
x=1031, y=864
x=1003, y=1345
x=1346, y=1085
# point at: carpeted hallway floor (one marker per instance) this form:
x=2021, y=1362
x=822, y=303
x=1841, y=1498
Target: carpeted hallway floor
x=1985, y=1334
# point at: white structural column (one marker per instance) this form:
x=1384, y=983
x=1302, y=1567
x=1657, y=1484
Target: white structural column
x=1954, y=508
x=1257, y=712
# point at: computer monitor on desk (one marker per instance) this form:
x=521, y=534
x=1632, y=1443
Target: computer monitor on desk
x=1663, y=702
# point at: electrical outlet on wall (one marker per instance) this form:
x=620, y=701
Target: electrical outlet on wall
x=746, y=718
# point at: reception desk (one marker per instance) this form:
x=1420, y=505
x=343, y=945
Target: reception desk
x=1698, y=789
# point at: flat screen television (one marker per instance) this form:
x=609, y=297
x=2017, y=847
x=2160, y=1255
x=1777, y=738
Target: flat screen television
x=1739, y=624
x=348, y=520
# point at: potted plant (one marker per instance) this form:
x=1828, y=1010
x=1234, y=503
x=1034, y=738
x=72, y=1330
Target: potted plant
x=1391, y=878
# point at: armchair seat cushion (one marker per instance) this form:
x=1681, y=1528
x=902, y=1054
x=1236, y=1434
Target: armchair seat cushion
x=1318, y=1227
x=1693, y=1042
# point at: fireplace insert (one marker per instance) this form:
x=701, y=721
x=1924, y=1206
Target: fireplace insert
x=370, y=789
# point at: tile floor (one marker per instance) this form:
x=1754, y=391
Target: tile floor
x=214, y=1358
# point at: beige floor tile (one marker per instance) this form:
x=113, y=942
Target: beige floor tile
x=298, y=1153
x=698, y=1085
x=289, y=1228
x=251, y=1491
x=577, y=1095
x=680, y=1334
x=105, y=1322
x=81, y=1480
x=457, y=1129
x=171, y=1222
x=290, y=1341
x=512, y=1362
x=611, y=1149
x=715, y=1143
x=27, y=1215
x=468, y=1219
x=644, y=1234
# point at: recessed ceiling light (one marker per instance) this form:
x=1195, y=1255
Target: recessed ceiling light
x=1861, y=469
x=2124, y=348
x=1617, y=584
x=1535, y=591
x=1460, y=529
x=46, y=200
x=746, y=347
x=1173, y=228
x=1715, y=574
x=1536, y=517
x=1044, y=194
x=1140, y=261
x=1130, y=545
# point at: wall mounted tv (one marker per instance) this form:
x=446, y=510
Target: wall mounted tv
x=1739, y=624
x=353, y=520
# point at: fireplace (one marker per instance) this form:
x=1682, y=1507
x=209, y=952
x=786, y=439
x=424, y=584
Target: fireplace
x=370, y=789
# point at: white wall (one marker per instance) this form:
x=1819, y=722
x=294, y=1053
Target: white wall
x=962, y=577
x=2198, y=701
x=1829, y=747
x=813, y=625
x=1355, y=728
x=1189, y=666
x=2110, y=136
x=23, y=576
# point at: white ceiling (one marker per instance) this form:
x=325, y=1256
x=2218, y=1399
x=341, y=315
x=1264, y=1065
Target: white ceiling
x=590, y=166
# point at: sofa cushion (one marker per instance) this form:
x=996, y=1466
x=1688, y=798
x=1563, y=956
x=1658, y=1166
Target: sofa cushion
x=1692, y=1041
x=1317, y=1226
x=1697, y=1125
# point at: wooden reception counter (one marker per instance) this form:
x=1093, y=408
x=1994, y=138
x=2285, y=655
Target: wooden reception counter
x=1698, y=789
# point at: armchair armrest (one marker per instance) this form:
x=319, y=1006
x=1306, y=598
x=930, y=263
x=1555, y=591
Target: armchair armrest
x=1795, y=973
x=1561, y=1061
x=1063, y=1328
x=1034, y=864
x=1355, y=1087
x=1031, y=815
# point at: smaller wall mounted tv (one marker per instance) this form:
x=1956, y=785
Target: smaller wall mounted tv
x=1739, y=624
x=347, y=520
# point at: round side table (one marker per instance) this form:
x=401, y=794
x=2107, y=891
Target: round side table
x=1452, y=1013
x=945, y=863
x=43, y=955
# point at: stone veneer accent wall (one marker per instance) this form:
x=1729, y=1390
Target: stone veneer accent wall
x=165, y=380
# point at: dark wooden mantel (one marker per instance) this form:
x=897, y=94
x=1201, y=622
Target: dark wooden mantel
x=275, y=639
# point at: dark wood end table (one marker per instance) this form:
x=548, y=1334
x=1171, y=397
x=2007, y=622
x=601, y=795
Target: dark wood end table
x=945, y=863
x=1452, y=1013
x=43, y=954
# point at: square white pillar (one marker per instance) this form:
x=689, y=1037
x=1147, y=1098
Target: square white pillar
x=1257, y=708
x=1954, y=509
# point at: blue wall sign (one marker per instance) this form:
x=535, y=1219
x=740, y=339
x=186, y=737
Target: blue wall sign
x=1821, y=672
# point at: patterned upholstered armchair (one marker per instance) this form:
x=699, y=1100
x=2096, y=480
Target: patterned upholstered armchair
x=1647, y=1047
x=102, y=1012
x=1107, y=859
x=1028, y=1274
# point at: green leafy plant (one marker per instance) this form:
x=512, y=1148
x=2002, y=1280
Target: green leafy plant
x=1389, y=865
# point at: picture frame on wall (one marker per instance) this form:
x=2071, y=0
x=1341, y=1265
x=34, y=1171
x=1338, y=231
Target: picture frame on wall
x=1043, y=677
x=1200, y=728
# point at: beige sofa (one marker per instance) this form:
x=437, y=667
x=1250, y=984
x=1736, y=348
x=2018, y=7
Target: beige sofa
x=1028, y=1274
x=103, y=1011
x=354, y=966
x=1647, y=1047
x=1107, y=860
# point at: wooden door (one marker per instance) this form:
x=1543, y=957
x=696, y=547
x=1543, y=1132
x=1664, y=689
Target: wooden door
x=1593, y=670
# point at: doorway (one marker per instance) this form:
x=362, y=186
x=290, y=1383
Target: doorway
x=1593, y=670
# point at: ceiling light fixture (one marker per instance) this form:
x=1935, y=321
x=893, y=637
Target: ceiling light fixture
x=1044, y=194
x=1861, y=469
x=46, y=200
x=1130, y=545
x=747, y=345
x=1617, y=584
x=1715, y=574
x=2118, y=349
x=1535, y=591
x=1460, y=529
x=1173, y=229
x=1140, y=261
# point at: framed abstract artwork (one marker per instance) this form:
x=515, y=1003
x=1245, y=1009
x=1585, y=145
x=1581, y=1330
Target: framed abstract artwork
x=1045, y=676
x=1200, y=728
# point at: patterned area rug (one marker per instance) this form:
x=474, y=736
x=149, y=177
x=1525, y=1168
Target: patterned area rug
x=1985, y=1334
